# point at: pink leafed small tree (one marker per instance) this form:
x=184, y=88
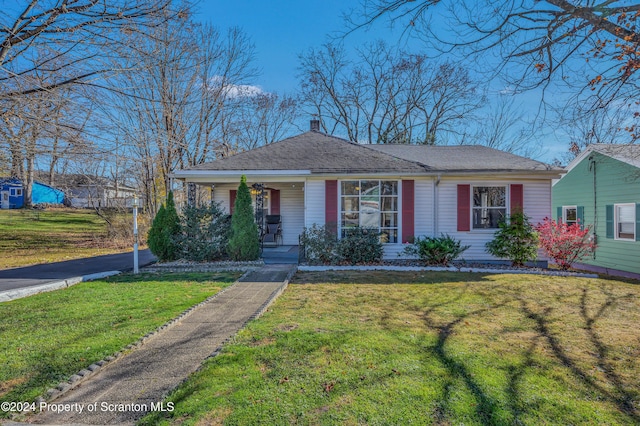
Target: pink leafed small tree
x=563, y=243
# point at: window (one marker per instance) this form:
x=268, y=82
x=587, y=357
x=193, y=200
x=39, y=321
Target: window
x=625, y=221
x=370, y=204
x=489, y=206
x=570, y=215
x=16, y=192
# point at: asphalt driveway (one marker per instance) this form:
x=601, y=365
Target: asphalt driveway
x=29, y=276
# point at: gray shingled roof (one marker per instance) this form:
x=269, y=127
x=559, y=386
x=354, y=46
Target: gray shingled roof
x=321, y=153
x=463, y=158
x=316, y=152
x=627, y=153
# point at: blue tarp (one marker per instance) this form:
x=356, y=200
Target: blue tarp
x=42, y=193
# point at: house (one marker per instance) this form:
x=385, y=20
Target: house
x=12, y=194
x=403, y=190
x=601, y=189
x=85, y=191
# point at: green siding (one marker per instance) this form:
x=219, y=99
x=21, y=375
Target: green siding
x=616, y=183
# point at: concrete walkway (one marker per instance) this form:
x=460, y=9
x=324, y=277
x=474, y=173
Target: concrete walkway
x=136, y=383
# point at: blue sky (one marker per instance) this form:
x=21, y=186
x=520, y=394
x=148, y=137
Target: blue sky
x=282, y=29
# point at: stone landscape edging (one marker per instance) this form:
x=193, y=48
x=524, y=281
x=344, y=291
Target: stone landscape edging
x=310, y=268
x=84, y=374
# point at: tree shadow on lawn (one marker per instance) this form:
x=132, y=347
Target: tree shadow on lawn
x=539, y=313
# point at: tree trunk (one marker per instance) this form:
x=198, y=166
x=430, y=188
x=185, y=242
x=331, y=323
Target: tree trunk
x=28, y=183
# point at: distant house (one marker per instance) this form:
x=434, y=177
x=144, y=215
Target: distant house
x=402, y=190
x=12, y=194
x=86, y=191
x=601, y=189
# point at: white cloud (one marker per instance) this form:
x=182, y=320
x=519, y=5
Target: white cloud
x=234, y=90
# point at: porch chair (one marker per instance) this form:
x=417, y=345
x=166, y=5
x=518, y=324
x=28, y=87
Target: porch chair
x=272, y=234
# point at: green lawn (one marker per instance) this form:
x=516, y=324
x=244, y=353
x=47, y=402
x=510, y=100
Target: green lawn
x=46, y=338
x=427, y=348
x=30, y=237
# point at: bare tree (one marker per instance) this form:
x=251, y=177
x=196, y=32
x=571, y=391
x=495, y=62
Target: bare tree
x=173, y=103
x=591, y=45
x=504, y=126
x=73, y=37
x=262, y=118
x=42, y=128
x=388, y=95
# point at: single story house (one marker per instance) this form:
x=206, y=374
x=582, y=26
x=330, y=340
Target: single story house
x=601, y=189
x=12, y=194
x=403, y=190
x=85, y=191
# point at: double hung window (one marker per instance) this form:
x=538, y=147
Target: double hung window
x=625, y=221
x=489, y=206
x=570, y=215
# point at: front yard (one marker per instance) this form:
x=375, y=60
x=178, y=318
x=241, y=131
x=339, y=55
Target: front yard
x=30, y=237
x=46, y=338
x=428, y=348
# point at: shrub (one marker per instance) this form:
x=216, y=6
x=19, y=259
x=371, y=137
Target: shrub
x=360, y=246
x=563, y=243
x=319, y=244
x=163, y=231
x=244, y=243
x=516, y=240
x=204, y=232
x=439, y=251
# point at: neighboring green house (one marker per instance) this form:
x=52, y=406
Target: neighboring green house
x=601, y=189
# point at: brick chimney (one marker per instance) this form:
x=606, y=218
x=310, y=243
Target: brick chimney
x=314, y=125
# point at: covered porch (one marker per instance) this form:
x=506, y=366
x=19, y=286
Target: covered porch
x=280, y=199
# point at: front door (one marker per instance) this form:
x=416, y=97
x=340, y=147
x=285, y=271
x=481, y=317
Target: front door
x=4, y=199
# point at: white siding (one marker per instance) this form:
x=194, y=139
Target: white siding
x=292, y=211
x=537, y=205
x=221, y=195
x=314, y=197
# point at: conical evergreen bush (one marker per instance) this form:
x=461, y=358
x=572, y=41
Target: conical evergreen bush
x=244, y=243
x=163, y=232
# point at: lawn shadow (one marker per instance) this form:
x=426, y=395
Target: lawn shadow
x=621, y=394
x=486, y=407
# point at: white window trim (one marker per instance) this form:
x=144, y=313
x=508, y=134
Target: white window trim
x=564, y=213
x=398, y=212
x=615, y=221
x=507, y=201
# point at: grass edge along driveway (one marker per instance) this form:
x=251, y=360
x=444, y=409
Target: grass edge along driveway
x=46, y=338
x=440, y=348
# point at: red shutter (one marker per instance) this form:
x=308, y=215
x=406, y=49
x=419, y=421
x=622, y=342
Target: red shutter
x=408, y=206
x=275, y=201
x=232, y=199
x=517, y=198
x=331, y=204
x=464, y=207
